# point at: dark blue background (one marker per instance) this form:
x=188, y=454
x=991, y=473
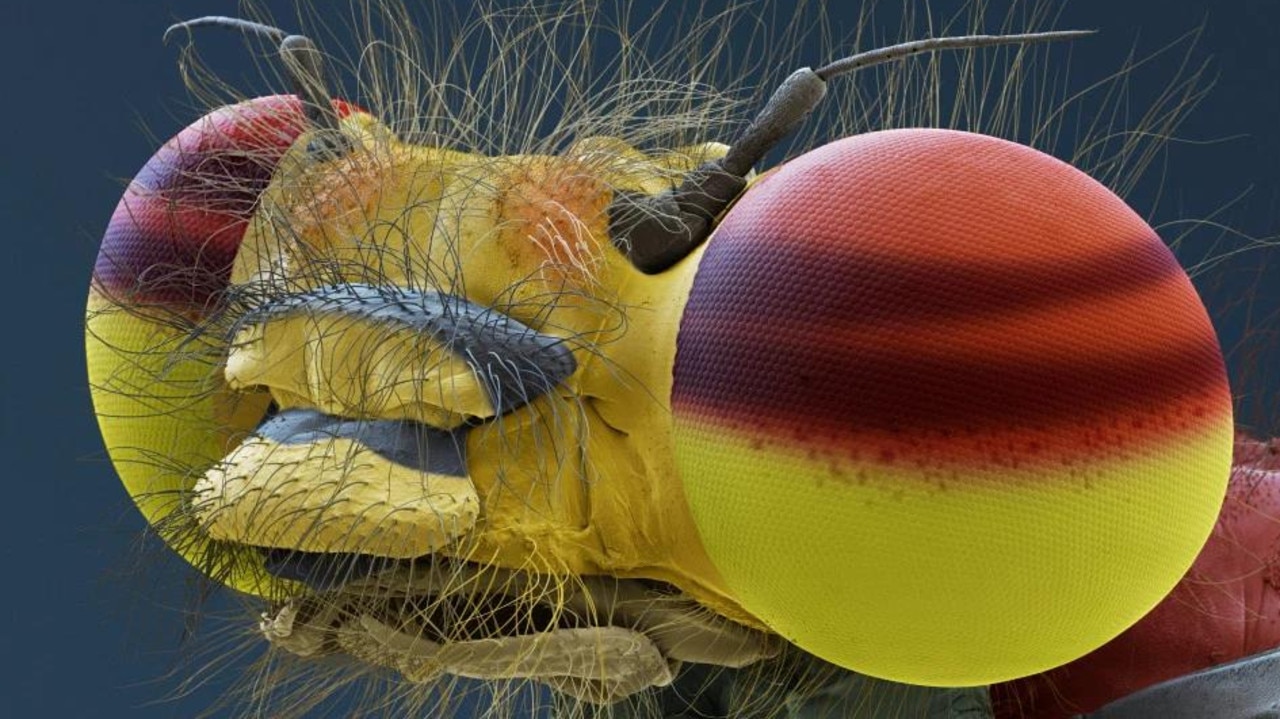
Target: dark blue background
x=88, y=89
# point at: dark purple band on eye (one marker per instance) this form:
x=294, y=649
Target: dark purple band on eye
x=946, y=297
x=175, y=233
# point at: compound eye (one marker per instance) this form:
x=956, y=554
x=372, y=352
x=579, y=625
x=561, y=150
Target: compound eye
x=162, y=270
x=177, y=228
x=977, y=421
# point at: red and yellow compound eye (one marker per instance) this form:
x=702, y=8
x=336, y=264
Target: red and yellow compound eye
x=165, y=260
x=947, y=410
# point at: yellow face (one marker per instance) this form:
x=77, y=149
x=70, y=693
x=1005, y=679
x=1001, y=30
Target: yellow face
x=523, y=238
x=383, y=428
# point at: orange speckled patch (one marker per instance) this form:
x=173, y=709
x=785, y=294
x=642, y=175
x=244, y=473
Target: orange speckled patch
x=336, y=198
x=551, y=212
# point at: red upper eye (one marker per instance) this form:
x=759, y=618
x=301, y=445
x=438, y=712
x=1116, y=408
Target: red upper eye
x=175, y=232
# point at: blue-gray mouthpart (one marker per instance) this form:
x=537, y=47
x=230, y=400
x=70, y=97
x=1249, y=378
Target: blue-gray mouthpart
x=405, y=442
x=515, y=363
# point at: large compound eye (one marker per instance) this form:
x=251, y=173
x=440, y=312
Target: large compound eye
x=164, y=263
x=176, y=231
x=948, y=411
